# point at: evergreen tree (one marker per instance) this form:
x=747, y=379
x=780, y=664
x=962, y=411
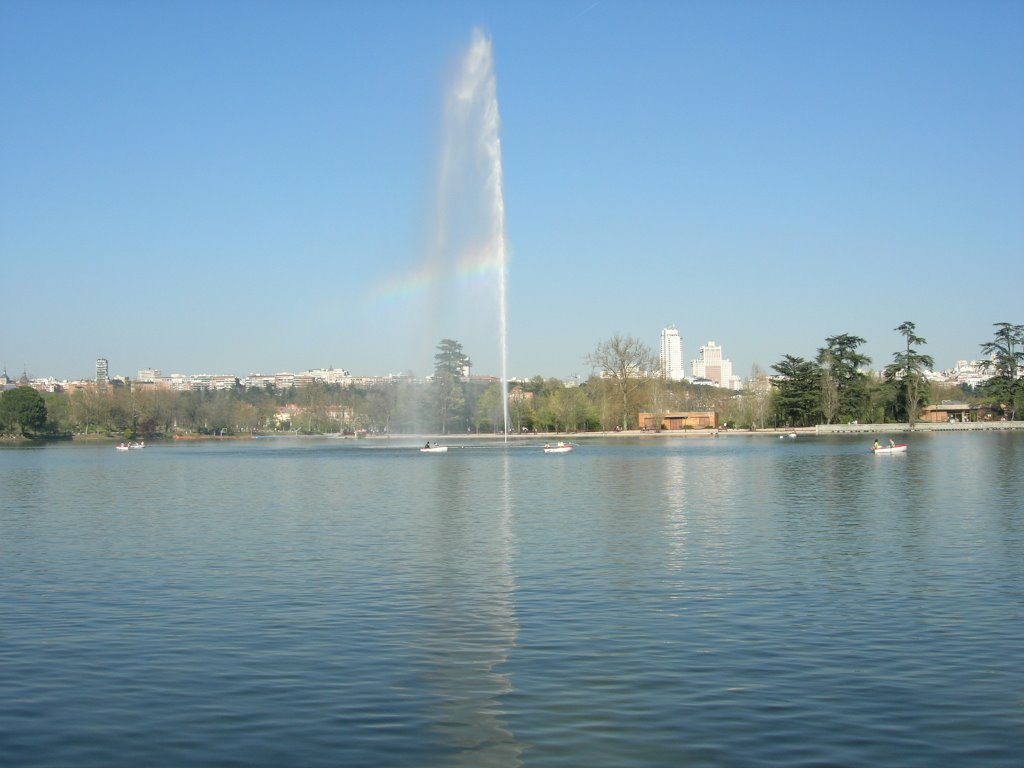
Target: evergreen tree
x=906, y=372
x=1006, y=362
x=22, y=411
x=798, y=391
x=844, y=387
x=448, y=388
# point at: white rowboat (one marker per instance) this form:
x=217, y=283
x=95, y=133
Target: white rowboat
x=901, y=448
x=559, y=447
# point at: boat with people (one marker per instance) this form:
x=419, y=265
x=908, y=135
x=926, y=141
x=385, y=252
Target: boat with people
x=435, y=448
x=891, y=448
x=130, y=446
x=558, y=447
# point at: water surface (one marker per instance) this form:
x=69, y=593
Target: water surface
x=698, y=602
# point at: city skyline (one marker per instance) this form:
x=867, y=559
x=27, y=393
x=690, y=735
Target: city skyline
x=253, y=188
x=709, y=364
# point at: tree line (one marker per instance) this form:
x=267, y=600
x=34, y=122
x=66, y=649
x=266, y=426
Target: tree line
x=835, y=386
x=832, y=387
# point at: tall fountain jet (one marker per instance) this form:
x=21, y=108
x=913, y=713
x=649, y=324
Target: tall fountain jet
x=472, y=150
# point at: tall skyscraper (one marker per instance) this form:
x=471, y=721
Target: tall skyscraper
x=710, y=365
x=671, y=357
x=102, y=373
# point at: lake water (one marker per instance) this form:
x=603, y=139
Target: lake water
x=739, y=601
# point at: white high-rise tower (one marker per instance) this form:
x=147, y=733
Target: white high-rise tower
x=671, y=357
x=102, y=373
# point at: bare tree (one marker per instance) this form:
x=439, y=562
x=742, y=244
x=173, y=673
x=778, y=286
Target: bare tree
x=625, y=363
x=829, y=391
x=760, y=390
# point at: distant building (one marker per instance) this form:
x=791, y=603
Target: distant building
x=182, y=382
x=269, y=380
x=971, y=373
x=761, y=384
x=330, y=375
x=948, y=411
x=708, y=364
x=671, y=358
x=102, y=373
x=47, y=384
x=259, y=380
x=481, y=379
x=679, y=420
x=518, y=394
x=711, y=367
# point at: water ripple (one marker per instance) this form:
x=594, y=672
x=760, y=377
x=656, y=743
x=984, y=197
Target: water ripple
x=703, y=603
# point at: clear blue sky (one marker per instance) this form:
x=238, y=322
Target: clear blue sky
x=223, y=187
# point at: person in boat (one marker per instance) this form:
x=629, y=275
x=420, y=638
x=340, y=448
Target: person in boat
x=427, y=445
x=892, y=443
x=875, y=446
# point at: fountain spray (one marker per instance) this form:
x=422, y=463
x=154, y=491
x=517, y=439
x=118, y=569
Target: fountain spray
x=477, y=90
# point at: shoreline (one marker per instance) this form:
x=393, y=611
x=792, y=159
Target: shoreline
x=820, y=429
